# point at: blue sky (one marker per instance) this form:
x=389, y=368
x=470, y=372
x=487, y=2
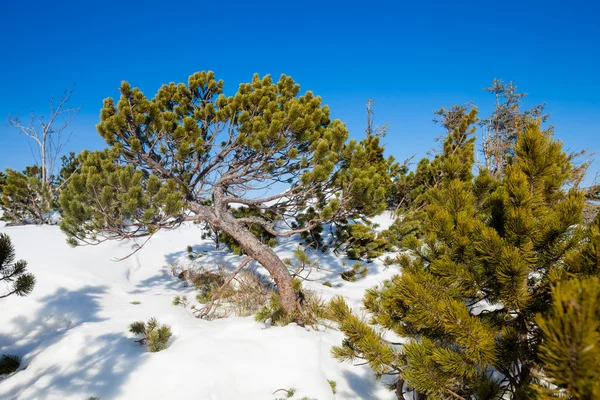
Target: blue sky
x=410, y=58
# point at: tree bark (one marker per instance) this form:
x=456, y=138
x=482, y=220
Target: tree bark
x=264, y=255
x=400, y=389
x=219, y=217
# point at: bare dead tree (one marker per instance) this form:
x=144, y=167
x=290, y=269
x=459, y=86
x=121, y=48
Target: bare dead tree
x=372, y=130
x=502, y=127
x=48, y=136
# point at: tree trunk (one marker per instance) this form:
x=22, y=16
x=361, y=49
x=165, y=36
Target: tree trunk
x=220, y=218
x=400, y=389
x=217, y=239
x=264, y=255
x=43, y=159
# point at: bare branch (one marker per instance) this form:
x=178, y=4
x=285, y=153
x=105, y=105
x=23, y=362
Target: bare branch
x=48, y=136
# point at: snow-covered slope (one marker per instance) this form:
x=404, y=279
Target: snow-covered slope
x=72, y=330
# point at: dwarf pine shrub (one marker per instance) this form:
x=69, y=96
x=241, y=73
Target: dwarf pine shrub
x=180, y=301
x=154, y=335
x=333, y=385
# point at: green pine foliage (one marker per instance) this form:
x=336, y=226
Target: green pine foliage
x=9, y=363
x=366, y=173
x=368, y=176
x=69, y=165
x=156, y=336
x=13, y=273
x=358, y=271
x=24, y=197
x=256, y=229
x=182, y=158
x=333, y=385
x=312, y=312
x=361, y=242
x=570, y=349
x=476, y=287
x=191, y=153
x=274, y=311
x=453, y=161
x=180, y=301
x=312, y=237
x=127, y=193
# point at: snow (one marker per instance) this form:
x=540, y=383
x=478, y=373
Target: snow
x=72, y=335
x=383, y=221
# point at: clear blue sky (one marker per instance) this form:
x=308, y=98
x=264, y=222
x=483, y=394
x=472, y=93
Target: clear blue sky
x=410, y=57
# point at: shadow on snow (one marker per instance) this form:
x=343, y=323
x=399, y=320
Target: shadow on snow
x=102, y=365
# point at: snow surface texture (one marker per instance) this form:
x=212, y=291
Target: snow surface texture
x=72, y=331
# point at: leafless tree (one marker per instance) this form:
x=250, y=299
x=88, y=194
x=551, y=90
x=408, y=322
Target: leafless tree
x=50, y=136
x=372, y=130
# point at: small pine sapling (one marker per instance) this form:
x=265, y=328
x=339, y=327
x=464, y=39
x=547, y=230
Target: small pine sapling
x=154, y=335
x=273, y=310
x=180, y=301
x=333, y=385
x=358, y=271
x=301, y=263
x=193, y=255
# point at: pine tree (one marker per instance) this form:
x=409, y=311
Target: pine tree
x=14, y=273
x=190, y=152
x=69, y=165
x=24, y=197
x=570, y=349
x=454, y=160
x=156, y=336
x=472, y=290
x=366, y=172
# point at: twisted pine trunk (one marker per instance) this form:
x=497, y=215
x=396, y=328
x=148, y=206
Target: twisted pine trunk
x=265, y=256
x=221, y=218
